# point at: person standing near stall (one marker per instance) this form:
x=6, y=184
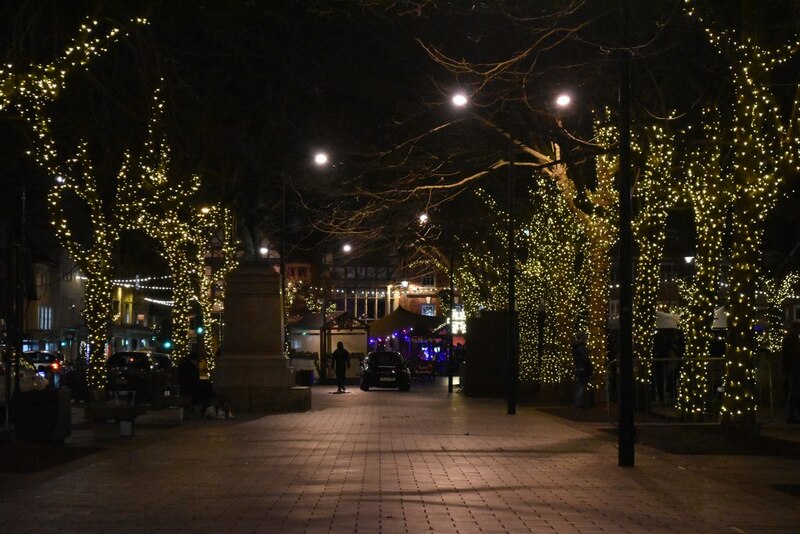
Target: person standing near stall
x=341, y=363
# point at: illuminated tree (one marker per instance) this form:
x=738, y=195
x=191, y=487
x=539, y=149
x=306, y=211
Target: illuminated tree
x=655, y=195
x=763, y=151
x=186, y=233
x=705, y=191
x=599, y=225
x=549, y=241
x=550, y=277
x=94, y=253
x=216, y=256
x=29, y=94
x=776, y=294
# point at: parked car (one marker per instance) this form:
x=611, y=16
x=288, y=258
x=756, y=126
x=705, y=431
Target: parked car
x=29, y=378
x=48, y=364
x=145, y=373
x=385, y=370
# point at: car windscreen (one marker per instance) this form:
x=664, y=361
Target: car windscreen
x=385, y=358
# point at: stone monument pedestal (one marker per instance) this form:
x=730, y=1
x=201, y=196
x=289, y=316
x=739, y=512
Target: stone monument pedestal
x=253, y=373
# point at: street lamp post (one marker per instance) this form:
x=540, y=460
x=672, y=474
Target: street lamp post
x=512, y=297
x=283, y=263
x=452, y=323
x=625, y=361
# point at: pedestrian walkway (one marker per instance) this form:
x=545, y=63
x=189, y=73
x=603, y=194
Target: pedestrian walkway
x=388, y=461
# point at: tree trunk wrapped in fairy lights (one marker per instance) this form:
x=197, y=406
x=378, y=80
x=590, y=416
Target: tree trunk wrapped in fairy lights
x=599, y=223
x=185, y=230
x=29, y=93
x=704, y=189
x=654, y=194
x=763, y=150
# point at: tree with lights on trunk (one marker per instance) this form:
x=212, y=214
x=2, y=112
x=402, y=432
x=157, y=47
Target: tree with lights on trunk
x=217, y=256
x=654, y=194
x=186, y=231
x=29, y=93
x=763, y=146
x=598, y=220
x=549, y=279
x=704, y=190
x=552, y=283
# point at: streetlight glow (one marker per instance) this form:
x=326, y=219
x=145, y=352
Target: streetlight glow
x=320, y=158
x=263, y=251
x=423, y=218
x=459, y=100
x=347, y=248
x=563, y=100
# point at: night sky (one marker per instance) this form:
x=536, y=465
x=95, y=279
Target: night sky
x=253, y=89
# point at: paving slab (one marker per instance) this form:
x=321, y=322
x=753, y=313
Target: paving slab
x=388, y=461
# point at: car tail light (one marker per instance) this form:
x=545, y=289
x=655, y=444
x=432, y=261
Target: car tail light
x=55, y=366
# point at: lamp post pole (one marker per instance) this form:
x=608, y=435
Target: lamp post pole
x=283, y=262
x=512, y=298
x=625, y=361
x=452, y=324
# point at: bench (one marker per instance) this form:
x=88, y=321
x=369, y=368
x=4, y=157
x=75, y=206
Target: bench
x=111, y=419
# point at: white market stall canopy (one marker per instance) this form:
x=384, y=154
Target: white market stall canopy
x=720, y=318
x=665, y=321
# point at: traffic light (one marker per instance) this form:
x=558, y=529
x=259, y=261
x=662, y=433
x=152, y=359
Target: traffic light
x=200, y=330
x=167, y=344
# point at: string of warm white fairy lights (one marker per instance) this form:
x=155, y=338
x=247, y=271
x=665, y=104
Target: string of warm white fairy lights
x=655, y=195
x=185, y=234
x=763, y=148
x=704, y=190
x=29, y=93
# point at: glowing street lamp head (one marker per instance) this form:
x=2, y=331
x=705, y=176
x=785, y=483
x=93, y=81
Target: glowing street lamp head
x=320, y=158
x=423, y=218
x=347, y=248
x=263, y=251
x=459, y=100
x=563, y=100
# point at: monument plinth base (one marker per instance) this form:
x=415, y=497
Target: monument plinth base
x=259, y=383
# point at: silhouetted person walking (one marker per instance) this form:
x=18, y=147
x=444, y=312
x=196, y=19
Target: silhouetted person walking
x=341, y=363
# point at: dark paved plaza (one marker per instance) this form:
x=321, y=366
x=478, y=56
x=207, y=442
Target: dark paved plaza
x=386, y=461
